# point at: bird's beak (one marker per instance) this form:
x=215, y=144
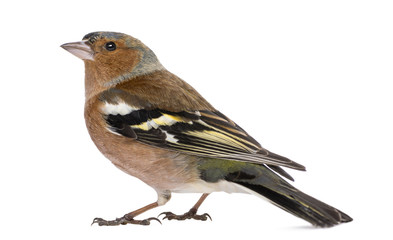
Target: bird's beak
x=80, y=49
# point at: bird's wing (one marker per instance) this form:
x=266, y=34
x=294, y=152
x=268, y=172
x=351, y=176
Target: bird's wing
x=203, y=133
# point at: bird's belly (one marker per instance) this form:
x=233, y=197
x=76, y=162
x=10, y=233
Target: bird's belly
x=159, y=168
x=200, y=186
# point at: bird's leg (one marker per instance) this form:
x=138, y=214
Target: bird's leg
x=191, y=214
x=129, y=217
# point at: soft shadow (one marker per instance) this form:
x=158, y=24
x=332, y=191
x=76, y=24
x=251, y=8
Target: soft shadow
x=304, y=227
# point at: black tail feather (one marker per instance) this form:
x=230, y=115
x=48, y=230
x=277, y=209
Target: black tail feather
x=264, y=181
x=301, y=205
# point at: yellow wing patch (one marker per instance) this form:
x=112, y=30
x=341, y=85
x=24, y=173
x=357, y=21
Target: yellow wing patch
x=164, y=120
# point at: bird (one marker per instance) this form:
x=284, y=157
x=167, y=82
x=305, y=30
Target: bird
x=154, y=126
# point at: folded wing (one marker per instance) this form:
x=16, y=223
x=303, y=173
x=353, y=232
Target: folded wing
x=203, y=133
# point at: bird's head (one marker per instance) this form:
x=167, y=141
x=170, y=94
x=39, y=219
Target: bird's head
x=111, y=58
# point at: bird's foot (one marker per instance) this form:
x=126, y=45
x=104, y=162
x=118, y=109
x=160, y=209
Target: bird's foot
x=188, y=215
x=123, y=221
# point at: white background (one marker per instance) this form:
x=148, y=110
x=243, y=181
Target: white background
x=311, y=80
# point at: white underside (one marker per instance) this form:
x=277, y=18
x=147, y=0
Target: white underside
x=221, y=186
x=201, y=186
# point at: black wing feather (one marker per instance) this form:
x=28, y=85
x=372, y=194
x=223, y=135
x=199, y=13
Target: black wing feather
x=201, y=133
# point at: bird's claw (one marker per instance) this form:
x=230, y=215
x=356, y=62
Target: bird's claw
x=187, y=215
x=123, y=221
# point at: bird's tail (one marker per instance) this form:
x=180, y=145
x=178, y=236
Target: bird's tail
x=287, y=197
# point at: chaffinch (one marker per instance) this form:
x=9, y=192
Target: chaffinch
x=154, y=126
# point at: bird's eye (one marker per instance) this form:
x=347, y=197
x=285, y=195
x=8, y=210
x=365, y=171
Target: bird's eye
x=110, y=46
